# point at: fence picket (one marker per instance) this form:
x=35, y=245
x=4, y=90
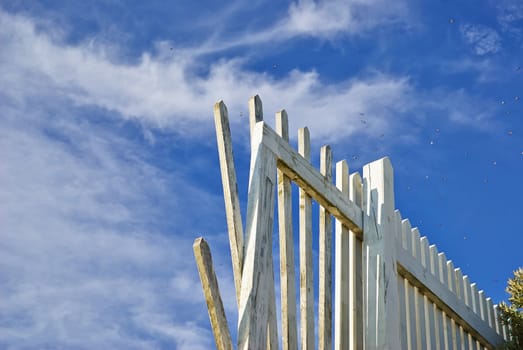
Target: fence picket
x=255, y=112
x=451, y=277
x=424, y=253
x=341, y=270
x=428, y=308
x=438, y=323
x=255, y=295
x=325, y=261
x=420, y=319
x=380, y=271
x=230, y=192
x=433, y=259
x=402, y=283
x=483, y=306
x=220, y=328
x=466, y=291
x=474, y=298
x=497, y=323
x=355, y=272
x=411, y=315
x=444, y=278
x=458, y=283
x=406, y=234
x=404, y=327
x=442, y=265
x=416, y=248
x=287, y=270
x=306, y=270
x=490, y=313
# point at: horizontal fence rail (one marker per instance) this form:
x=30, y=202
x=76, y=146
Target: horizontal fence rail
x=392, y=289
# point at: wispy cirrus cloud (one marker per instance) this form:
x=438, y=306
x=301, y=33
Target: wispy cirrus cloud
x=319, y=19
x=166, y=92
x=326, y=19
x=89, y=259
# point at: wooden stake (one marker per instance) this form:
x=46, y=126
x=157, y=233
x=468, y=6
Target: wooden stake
x=230, y=192
x=211, y=291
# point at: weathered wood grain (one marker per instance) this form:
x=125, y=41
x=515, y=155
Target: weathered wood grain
x=325, y=261
x=380, y=274
x=272, y=327
x=306, y=270
x=256, y=116
x=355, y=271
x=255, y=297
x=211, y=291
x=301, y=171
x=230, y=192
x=341, y=269
x=287, y=270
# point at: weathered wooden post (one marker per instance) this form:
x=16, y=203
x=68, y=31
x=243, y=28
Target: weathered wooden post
x=255, y=296
x=211, y=291
x=381, y=314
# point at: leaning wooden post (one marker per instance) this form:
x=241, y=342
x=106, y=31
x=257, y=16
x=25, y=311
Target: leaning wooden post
x=220, y=329
x=230, y=192
x=381, y=329
x=255, y=296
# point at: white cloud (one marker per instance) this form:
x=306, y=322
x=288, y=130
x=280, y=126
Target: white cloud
x=484, y=40
x=326, y=19
x=320, y=19
x=164, y=92
x=85, y=262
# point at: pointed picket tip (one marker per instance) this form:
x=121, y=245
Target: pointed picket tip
x=342, y=176
x=198, y=242
x=383, y=162
x=304, y=143
x=379, y=179
x=282, y=124
x=255, y=111
x=220, y=106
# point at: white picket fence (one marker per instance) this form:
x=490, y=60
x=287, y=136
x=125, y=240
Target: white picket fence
x=392, y=289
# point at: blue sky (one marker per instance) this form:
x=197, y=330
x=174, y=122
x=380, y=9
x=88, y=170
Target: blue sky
x=109, y=167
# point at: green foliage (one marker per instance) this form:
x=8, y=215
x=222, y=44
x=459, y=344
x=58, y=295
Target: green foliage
x=512, y=315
